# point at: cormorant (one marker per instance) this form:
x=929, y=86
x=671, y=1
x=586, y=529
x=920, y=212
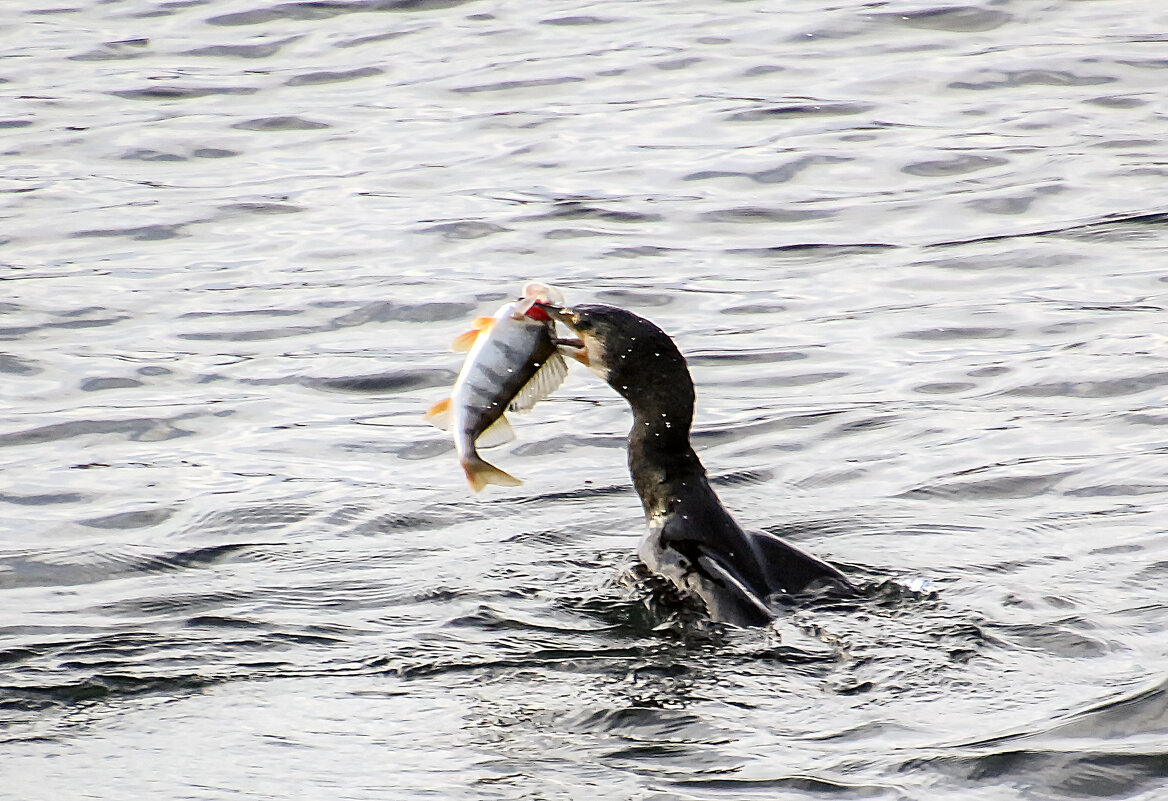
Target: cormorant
x=692, y=540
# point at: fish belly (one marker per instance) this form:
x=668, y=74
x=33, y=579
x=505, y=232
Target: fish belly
x=499, y=365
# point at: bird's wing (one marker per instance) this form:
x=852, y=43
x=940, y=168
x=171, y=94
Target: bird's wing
x=749, y=605
x=787, y=569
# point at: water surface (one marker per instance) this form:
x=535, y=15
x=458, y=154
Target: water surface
x=915, y=255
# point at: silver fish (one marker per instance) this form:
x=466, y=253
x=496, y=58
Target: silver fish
x=512, y=364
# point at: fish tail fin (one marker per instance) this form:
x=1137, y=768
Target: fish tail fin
x=480, y=473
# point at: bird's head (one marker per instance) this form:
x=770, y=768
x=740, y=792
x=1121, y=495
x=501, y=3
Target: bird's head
x=633, y=355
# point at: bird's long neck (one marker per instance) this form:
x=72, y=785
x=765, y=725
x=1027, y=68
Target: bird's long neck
x=666, y=472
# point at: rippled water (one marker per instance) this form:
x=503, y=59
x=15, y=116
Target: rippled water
x=916, y=256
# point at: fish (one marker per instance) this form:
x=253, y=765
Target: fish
x=512, y=363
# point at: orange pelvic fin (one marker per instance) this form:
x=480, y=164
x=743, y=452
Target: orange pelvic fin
x=439, y=414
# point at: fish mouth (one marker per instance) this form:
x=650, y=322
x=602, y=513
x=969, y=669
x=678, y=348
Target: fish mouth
x=576, y=347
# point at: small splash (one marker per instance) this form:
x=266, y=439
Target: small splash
x=919, y=585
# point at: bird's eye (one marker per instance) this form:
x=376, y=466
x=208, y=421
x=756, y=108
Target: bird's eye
x=582, y=324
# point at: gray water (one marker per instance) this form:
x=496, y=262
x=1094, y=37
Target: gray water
x=916, y=256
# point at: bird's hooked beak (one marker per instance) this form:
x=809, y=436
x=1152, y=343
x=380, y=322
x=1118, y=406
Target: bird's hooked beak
x=577, y=348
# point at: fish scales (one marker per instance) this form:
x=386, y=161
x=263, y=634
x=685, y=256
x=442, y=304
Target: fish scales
x=511, y=365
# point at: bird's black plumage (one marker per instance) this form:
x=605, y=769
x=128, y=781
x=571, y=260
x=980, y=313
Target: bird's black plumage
x=692, y=539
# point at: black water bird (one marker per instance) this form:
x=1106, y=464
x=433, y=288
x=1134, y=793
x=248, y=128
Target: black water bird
x=692, y=540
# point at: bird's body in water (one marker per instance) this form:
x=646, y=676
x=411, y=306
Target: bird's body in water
x=692, y=540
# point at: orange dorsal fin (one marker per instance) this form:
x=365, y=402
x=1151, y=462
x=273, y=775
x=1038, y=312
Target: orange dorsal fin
x=464, y=342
